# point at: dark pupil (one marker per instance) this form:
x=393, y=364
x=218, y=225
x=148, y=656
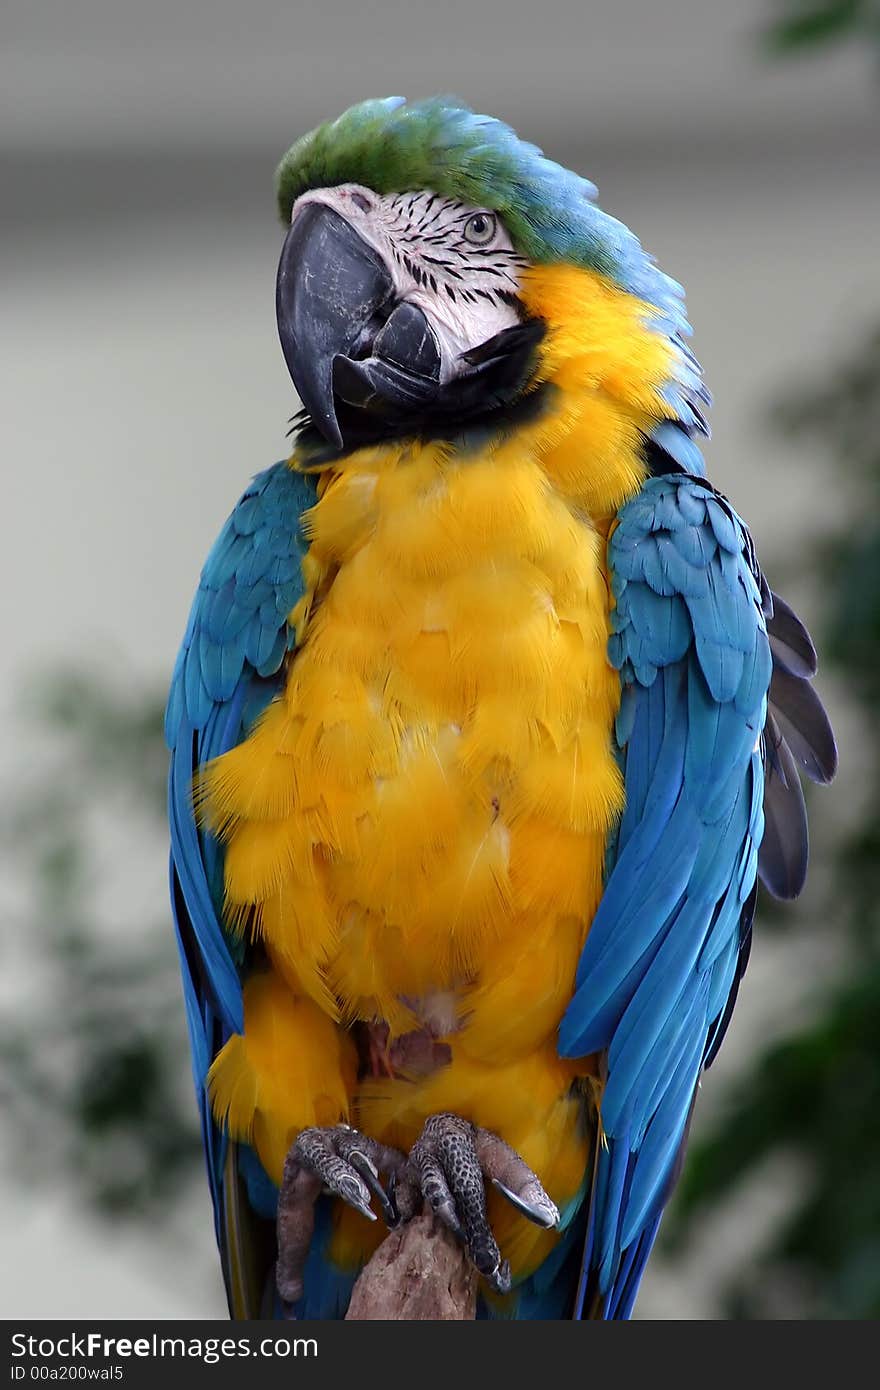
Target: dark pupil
x=479, y=225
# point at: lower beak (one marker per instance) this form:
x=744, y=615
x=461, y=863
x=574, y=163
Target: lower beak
x=331, y=292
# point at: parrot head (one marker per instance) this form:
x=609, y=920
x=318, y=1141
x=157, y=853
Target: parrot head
x=405, y=292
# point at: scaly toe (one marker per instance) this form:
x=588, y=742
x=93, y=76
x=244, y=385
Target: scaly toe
x=337, y=1160
x=448, y=1166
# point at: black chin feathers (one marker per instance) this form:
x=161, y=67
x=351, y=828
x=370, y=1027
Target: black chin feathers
x=491, y=392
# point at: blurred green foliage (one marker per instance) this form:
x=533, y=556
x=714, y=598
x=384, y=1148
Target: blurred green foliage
x=94, y=1075
x=805, y=25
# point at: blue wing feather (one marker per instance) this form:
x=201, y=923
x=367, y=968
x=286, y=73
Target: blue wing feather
x=227, y=670
x=690, y=642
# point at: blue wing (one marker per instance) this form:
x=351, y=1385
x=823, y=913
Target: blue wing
x=227, y=670
x=669, y=942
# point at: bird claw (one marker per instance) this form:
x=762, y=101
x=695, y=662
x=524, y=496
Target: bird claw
x=338, y=1160
x=447, y=1169
x=370, y=1175
x=540, y=1210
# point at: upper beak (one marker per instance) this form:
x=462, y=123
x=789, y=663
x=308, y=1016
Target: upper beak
x=332, y=288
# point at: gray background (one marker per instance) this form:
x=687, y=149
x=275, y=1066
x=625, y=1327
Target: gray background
x=142, y=382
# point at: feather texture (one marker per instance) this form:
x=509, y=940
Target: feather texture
x=226, y=672
x=701, y=646
x=690, y=641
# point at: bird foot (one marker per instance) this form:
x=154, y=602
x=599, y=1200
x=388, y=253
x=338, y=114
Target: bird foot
x=341, y=1161
x=447, y=1169
x=446, y=1172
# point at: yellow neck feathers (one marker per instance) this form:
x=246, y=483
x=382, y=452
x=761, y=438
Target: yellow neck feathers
x=607, y=365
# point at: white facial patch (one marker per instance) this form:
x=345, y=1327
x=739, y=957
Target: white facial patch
x=453, y=261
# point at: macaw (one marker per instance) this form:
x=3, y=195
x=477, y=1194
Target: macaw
x=484, y=727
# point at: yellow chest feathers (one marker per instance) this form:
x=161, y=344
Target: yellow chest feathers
x=435, y=785
x=434, y=788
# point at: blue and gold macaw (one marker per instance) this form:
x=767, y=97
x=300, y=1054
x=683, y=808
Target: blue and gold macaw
x=493, y=724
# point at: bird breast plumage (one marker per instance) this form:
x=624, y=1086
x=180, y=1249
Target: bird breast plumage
x=424, y=810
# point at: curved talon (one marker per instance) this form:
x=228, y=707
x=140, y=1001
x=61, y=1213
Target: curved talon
x=368, y=1171
x=355, y=1192
x=515, y=1180
x=546, y=1216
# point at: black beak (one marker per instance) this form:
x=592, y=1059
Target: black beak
x=331, y=290
x=363, y=364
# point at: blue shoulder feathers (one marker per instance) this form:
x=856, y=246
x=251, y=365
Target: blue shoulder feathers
x=690, y=642
x=716, y=713
x=227, y=670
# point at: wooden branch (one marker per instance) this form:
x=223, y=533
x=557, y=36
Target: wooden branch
x=419, y=1273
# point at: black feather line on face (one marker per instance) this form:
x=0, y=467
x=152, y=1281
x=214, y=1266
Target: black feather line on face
x=415, y=226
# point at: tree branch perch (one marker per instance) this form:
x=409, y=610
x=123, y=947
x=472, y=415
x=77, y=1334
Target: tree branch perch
x=419, y=1273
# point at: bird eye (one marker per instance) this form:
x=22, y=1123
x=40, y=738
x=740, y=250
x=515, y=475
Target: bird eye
x=480, y=229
